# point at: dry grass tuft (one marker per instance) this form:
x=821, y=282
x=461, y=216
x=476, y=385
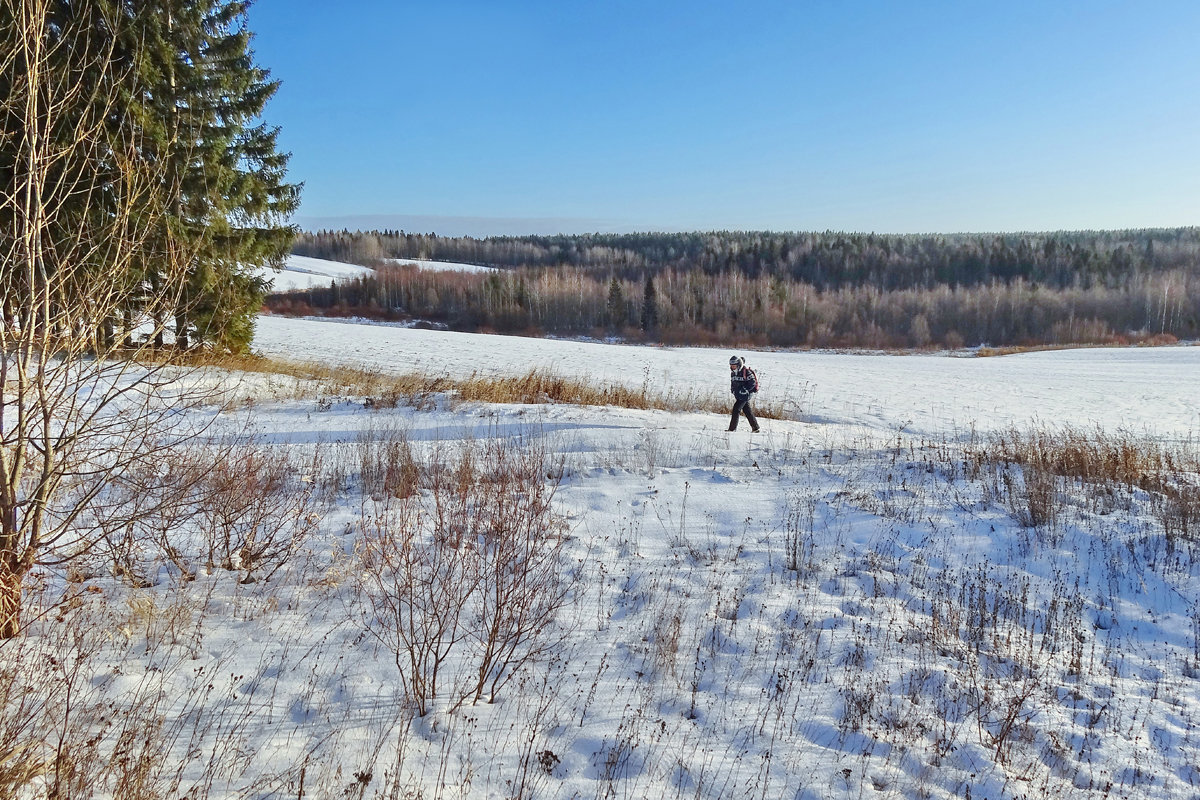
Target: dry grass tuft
x=1098, y=463
x=1093, y=457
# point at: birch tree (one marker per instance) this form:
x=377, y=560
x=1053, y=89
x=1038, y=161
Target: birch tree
x=85, y=284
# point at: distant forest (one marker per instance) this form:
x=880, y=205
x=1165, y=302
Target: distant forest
x=781, y=289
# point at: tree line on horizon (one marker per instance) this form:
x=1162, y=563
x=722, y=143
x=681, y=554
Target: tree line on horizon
x=824, y=260
x=780, y=289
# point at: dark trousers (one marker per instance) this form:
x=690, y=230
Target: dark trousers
x=742, y=405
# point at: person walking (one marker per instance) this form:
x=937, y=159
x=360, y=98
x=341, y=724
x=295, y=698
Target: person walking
x=743, y=383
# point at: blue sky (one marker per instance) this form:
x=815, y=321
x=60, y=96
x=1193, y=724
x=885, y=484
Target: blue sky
x=515, y=117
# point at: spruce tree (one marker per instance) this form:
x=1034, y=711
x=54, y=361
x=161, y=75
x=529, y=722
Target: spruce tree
x=649, y=306
x=616, y=304
x=204, y=95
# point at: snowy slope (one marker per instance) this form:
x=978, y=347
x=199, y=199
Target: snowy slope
x=926, y=644
x=302, y=272
x=448, y=266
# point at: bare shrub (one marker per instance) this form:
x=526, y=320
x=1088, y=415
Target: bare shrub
x=253, y=511
x=418, y=587
x=158, y=498
x=518, y=541
x=175, y=487
x=470, y=568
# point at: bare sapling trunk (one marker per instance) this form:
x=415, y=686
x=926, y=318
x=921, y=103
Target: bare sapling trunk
x=81, y=210
x=11, y=580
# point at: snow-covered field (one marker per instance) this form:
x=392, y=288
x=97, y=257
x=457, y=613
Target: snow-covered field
x=838, y=607
x=1135, y=389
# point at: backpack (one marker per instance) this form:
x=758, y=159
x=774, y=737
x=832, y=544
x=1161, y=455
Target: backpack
x=752, y=380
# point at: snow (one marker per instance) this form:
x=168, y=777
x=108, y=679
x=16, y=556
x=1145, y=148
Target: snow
x=447, y=266
x=304, y=272
x=1136, y=389
x=833, y=608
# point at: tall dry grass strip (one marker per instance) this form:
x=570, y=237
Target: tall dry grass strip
x=384, y=390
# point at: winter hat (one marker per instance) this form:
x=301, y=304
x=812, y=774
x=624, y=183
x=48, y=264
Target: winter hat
x=736, y=361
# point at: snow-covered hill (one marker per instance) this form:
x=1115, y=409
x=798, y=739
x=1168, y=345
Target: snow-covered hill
x=303, y=272
x=448, y=266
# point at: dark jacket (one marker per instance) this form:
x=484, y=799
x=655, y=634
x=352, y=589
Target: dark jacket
x=743, y=381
